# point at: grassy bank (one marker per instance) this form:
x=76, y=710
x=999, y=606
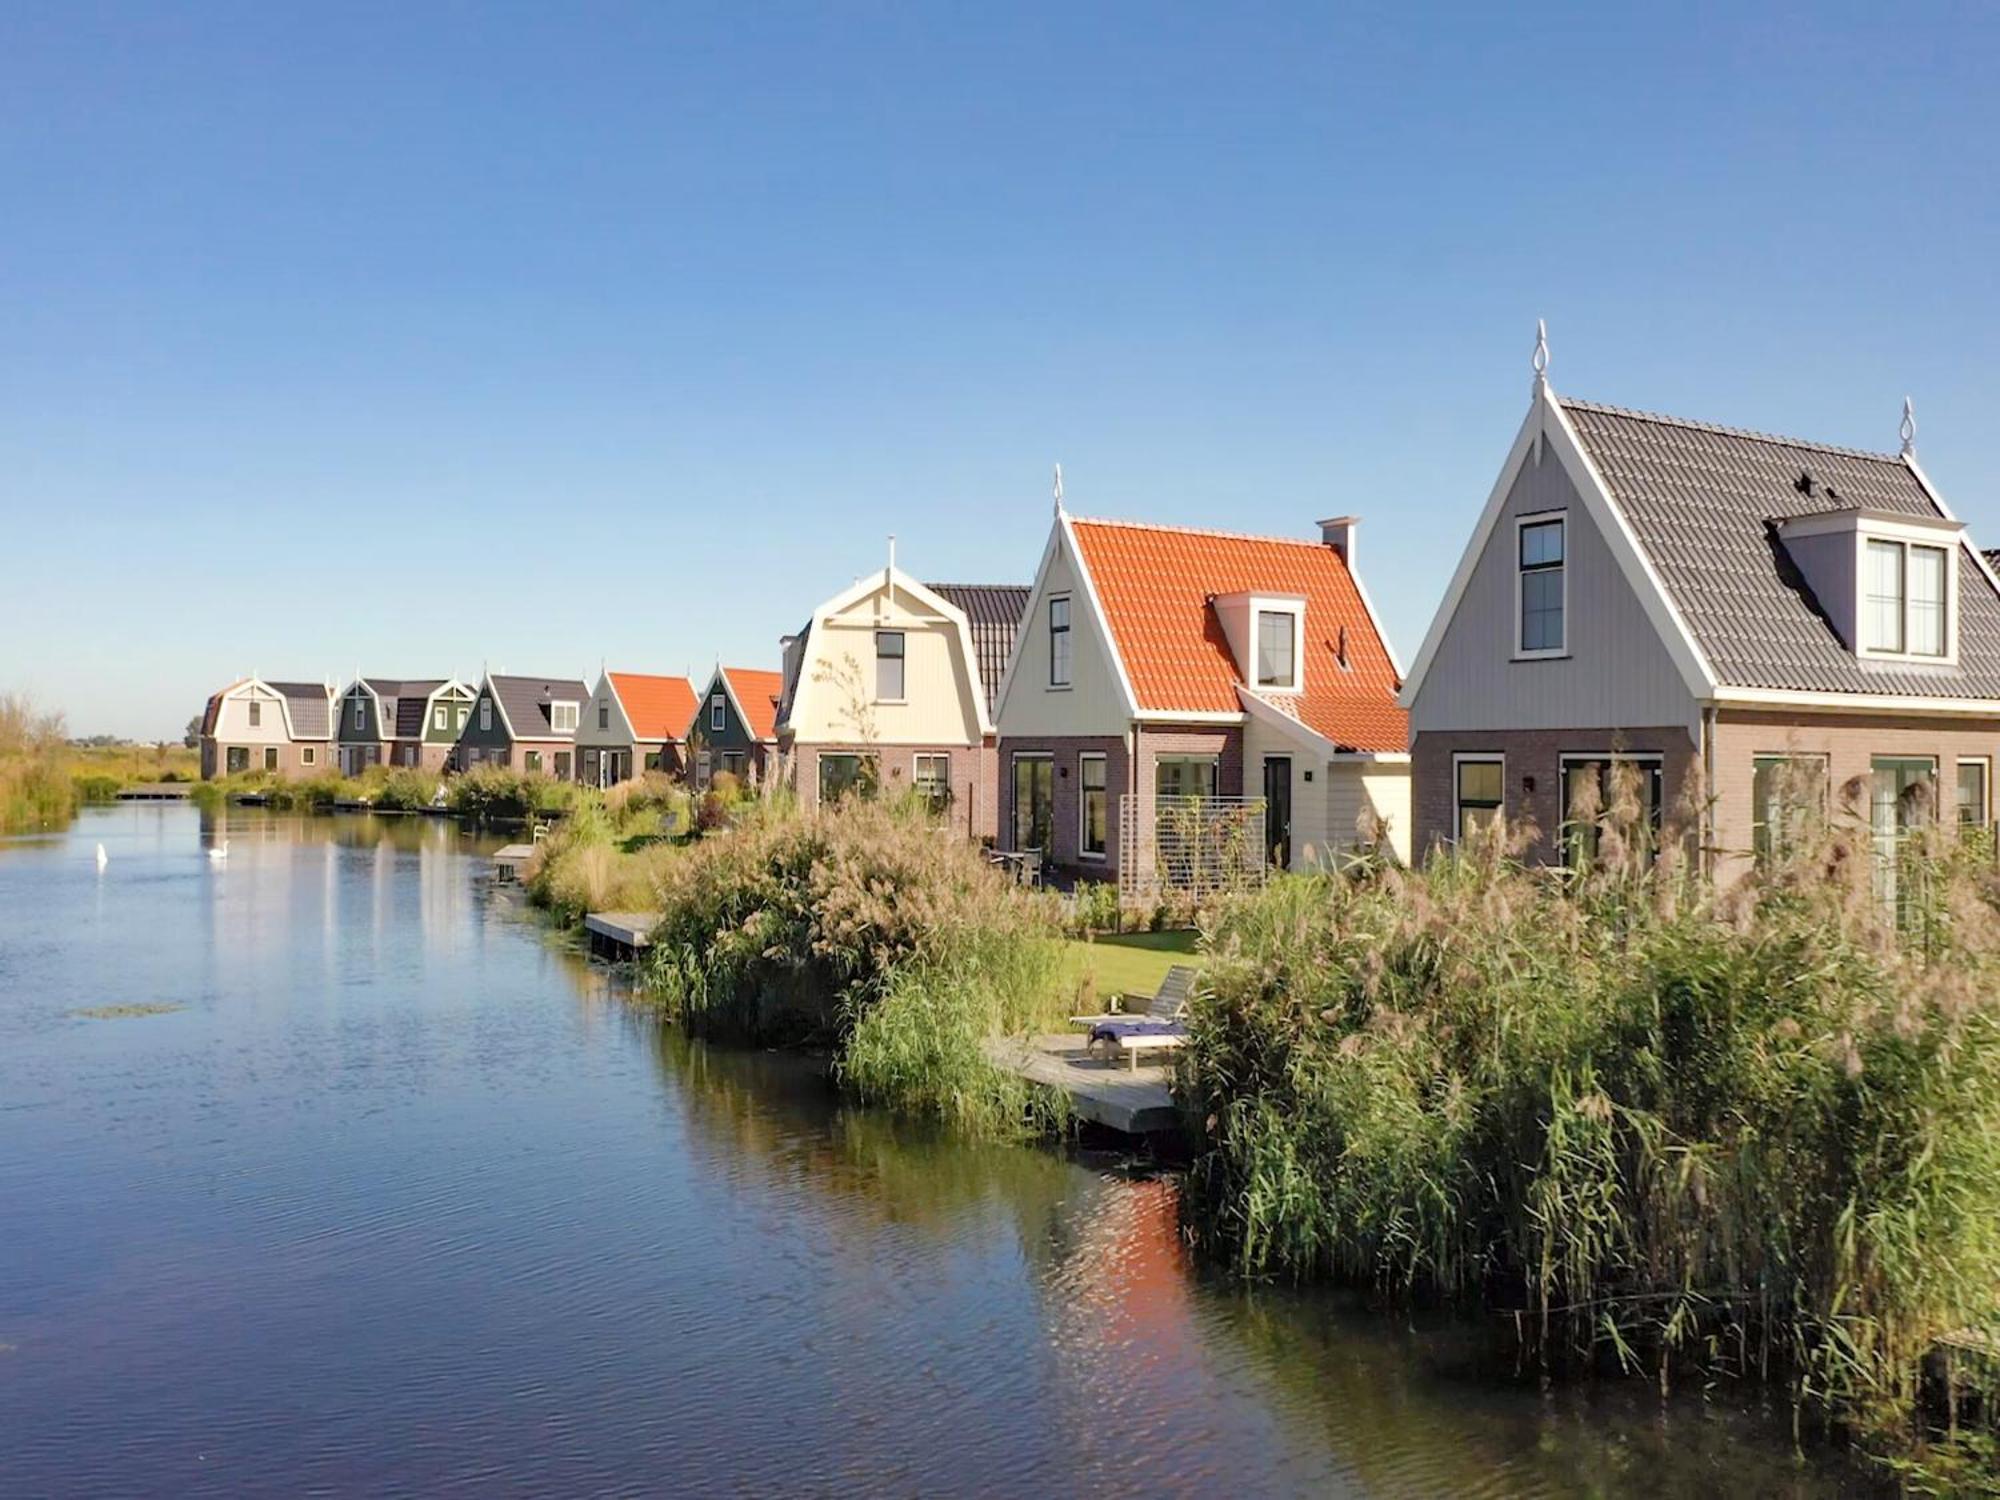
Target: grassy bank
x=44, y=779
x=1755, y=1135
x=861, y=930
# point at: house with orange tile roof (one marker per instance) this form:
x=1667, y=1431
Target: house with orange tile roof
x=736, y=725
x=1162, y=666
x=634, y=722
x=887, y=686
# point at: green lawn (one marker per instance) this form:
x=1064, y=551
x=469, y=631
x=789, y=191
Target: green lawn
x=1128, y=963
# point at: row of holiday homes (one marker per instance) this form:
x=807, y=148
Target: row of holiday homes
x=1750, y=614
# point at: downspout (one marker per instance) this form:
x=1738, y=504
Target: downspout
x=1708, y=721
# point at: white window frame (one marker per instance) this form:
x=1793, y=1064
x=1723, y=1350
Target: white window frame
x=902, y=657
x=1068, y=634
x=1522, y=523
x=485, y=714
x=308, y=755
x=917, y=764
x=718, y=712
x=440, y=717
x=1482, y=758
x=1083, y=849
x=531, y=762
x=1888, y=535
x=559, y=710
x=360, y=713
x=703, y=763
x=1985, y=764
x=1258, y=610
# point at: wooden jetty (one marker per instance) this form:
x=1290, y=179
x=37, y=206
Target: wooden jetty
x=155, y=791
x=620, y=934
x=508, y=859
x=1135, y=1101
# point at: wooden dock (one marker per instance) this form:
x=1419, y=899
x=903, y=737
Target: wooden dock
x=156, y=791
x=620, y=934
x=1111, y=1094
x=508, y=859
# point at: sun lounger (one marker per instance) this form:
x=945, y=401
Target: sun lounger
x=1136, y=1038
x=1168, y=1003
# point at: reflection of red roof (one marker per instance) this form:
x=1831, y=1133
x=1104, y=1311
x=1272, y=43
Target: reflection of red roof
x=1156, y=584
x=757, y=693
x=660, y=708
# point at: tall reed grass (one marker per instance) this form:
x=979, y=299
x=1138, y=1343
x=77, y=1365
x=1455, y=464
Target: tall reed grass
x=1750, y=1134
x=36, y=791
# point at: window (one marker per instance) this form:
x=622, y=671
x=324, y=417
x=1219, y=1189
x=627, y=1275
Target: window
x=733, y=762
x=930, y=778
x=1903, y=598
x=532, y=762
x=653, y=762
x=485, y=713
x=1972, y=779
x=1786, y=793
x=1541, y=587
x=270, y=757
x=844, y=776
x=1895, y=806
x=1185, y=776
x=1059, y=641
x=439, y=719
x=1590, y=784
x=604, y=716
x=1481, y=790
x=1034, y=801
x=462, y=712
x=1277, y=630
x=716, y=712
x=889, y=666
x=236, y=759
x=562, y=718
x=360, y=715
x=1092, y=806
x=256, y=714
x=308, y=755
x=701, y=769
x=563, y=762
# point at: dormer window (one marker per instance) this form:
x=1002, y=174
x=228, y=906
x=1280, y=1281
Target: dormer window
x=1541, y=587
x=889, y=666
x=562, y=717
x=1277, y=648
x=716, y=711
x=1903, y=599
x=360, y=714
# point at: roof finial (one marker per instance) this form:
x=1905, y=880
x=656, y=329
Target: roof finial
x=1059, y=504
x=1909, y=428
x=1541, y=359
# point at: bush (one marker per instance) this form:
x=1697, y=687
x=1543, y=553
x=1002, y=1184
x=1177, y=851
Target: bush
x=858, y=928
x=1759, y=1131
x=401, y=789
x=490, y=793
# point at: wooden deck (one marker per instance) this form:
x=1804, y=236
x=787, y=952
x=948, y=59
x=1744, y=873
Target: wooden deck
x=508, y=859
x=620, y=934
x=155, y=791
x=1135, y=1101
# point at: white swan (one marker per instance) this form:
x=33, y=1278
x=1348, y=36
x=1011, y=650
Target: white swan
x=217, y=853
x=103, y=859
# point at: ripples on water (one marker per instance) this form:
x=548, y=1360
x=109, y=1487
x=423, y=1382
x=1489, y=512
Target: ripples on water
x=402, y=1199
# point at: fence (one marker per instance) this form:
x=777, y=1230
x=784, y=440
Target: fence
x=1189, y=845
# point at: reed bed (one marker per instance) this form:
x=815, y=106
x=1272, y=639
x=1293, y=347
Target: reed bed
x=44, y=778
x=1754, y=1134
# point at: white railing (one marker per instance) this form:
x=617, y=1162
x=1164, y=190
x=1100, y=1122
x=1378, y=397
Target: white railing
x=1192, y=846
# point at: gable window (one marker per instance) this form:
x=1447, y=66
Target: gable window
x=462, y=712
x=1541, y=586
x=1092, y=806
x=930, y=777
x=1277, y=661
x=1480, y=783
x=562, y=717
x=360, y=714
x=1903, y=598
x=256, y=713
x=1059, y=661
x=1787, y=792
x=485, y=713
x=716, y=711
x=889, y=666
x=438, y=718
x=604, y=716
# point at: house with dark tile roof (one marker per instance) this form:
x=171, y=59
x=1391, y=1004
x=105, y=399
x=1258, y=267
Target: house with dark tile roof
x=393, y=721
x=635, y=722
x=276, y=728
x=1758, y=619
x=736, y=726
x=524, y=723
x=889, y=686
x=1163, y=668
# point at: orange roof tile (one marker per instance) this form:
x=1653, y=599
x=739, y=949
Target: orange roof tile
x=757, y=693
x=1155, y=584
x=660, y=708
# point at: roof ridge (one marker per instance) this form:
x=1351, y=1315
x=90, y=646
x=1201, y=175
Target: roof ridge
x=1228, y=536
x=1665, y=420
x=1023, y=587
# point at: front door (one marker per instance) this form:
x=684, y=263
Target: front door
x=1278, y=810
x=1894, y=807
x=1034, y=801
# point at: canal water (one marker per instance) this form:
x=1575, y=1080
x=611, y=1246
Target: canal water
x=323, y=1171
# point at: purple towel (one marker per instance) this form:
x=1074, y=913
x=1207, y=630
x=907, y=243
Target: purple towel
x=1117, y=1031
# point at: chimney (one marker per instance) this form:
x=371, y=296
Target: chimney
x=1338, y=533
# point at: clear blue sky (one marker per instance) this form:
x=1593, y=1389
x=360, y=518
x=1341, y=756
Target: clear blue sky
x=412, y=337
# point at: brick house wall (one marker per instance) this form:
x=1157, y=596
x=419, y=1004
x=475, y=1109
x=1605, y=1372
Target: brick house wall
x=971, y=811
x=1065, y=750
x=292, y=755
x=1533, y=776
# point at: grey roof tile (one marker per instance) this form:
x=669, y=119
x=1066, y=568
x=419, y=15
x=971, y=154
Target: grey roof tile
x=311, y=707
x=994, y=611
x=1702, y=499
x=403, y=702
x=527, y=699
